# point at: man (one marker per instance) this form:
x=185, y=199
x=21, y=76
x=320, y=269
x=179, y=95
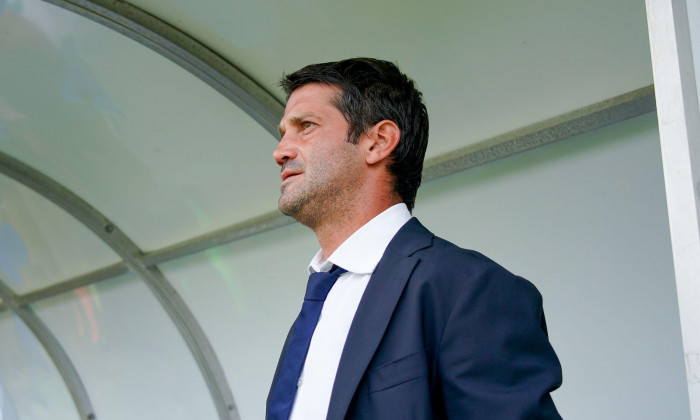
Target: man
x=417, y=328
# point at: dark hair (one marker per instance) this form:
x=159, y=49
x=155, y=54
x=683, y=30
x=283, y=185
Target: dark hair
x=373, y=90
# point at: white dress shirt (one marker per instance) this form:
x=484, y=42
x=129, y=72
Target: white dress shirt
x=359, y=255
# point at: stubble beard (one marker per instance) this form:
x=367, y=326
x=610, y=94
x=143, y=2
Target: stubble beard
x=323, y=194
x=293, y=201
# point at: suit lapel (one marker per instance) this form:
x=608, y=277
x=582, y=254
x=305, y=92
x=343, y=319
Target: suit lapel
x=374, y=313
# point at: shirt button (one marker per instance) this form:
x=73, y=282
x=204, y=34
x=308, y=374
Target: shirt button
x=299, y=382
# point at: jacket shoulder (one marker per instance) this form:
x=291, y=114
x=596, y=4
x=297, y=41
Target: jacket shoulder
x=443, y=261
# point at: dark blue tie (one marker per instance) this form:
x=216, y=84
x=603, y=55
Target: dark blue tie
x=282, y=396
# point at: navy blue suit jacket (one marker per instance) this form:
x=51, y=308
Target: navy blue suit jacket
x=445, y=333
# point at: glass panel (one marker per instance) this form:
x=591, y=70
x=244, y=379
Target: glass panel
x=40, y=244
x=246, y=296
x=148, y=144
x=133, y=361
x=30, y=385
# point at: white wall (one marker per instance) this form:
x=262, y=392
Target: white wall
x=585, y=220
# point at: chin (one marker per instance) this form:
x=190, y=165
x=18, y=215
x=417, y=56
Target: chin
x=289, y=206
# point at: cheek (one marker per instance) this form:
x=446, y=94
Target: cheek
x=320, y=157
x=332, y=159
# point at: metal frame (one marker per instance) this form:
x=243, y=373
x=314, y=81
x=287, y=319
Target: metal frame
x=83, y=280
x=601, y=114
x=263, y=223
x=167, y=295
x=185, y=51
x=53, y=349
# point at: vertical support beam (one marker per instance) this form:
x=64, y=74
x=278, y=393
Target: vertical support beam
x=679, y=129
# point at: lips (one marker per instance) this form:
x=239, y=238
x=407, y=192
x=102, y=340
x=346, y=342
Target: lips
x=290, y=168
x=286, y=174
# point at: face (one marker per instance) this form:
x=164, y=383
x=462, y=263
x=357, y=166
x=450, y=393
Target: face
x=320, y=169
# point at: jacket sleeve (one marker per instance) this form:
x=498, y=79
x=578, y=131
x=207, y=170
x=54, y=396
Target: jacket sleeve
x=494, y=357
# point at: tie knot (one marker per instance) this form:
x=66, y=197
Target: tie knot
x=321, y=283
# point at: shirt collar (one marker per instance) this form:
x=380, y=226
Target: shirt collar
x=361, y=252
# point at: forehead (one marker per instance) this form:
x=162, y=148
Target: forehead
x=312, y=97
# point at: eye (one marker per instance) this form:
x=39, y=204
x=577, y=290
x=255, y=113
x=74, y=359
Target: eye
x=306, y=125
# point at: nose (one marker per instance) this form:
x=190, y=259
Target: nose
x=284, y=151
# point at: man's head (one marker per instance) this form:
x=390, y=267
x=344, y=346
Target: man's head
x=323, y=175
x=370, y=91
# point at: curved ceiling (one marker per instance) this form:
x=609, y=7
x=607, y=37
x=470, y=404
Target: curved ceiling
x=485, y=67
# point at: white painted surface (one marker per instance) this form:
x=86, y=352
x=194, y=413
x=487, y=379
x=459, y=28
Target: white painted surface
x=679, y=126
x=585, y=221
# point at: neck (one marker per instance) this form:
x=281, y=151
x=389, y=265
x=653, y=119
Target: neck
x=333, y=233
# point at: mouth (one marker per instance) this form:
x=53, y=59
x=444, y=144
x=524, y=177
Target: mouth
x=290, y=169
x=287, y=174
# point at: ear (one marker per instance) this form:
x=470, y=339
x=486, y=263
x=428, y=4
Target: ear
x=381, y=140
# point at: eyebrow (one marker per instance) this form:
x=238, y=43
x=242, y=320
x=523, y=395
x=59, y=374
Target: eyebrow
x=297, y=119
